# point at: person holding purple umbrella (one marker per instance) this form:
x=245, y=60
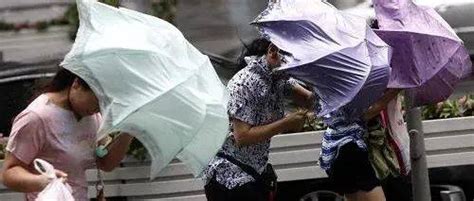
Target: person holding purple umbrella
x=344, y=154
x=348, y=66
x=241, y=171
x=344, y=150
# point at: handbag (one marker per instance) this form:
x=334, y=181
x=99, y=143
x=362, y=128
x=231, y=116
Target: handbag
x=267, y=180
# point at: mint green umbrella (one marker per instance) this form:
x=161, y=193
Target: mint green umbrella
x=152, y=83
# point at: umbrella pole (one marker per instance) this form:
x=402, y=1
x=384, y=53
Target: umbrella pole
x=419, y=169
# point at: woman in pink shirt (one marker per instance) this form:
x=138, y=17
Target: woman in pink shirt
x=60, y=127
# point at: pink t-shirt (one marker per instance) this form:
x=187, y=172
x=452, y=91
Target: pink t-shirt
x=47, y=131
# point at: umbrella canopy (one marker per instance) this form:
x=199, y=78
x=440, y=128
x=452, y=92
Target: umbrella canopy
x=150, y=82
x=428, y=56
x=329, y=49
x=379, y=76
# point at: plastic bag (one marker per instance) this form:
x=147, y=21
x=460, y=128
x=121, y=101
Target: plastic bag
x=56, y=189
x=399, y=138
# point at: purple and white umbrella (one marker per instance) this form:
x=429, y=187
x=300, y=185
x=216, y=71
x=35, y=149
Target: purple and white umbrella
x=428, y=57
x=335, y=52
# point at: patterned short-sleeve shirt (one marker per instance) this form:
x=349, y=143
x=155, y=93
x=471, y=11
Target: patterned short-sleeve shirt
x=256, y=97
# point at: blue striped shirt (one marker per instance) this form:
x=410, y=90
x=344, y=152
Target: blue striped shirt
x=341, y=130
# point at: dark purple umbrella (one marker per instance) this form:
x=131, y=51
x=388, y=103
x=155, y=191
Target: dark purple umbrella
x=336, y=53
x=428, y=57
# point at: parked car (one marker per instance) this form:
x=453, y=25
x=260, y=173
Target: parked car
x=19, y=83
x=458, y=13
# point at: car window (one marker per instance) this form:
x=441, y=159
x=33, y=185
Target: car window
x=15, y=97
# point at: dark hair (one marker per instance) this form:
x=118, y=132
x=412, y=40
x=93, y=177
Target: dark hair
x=62, y=80
x=258, y=47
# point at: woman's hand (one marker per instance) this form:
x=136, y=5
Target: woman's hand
x=295, y=121
x=117, y=150
x=44, y=180
x=62, y=175
x=303, y=97
x=16, y=176
x=246, y=134
x=381, y=104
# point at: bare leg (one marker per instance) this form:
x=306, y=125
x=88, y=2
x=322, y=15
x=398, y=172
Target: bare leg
x=375, y=194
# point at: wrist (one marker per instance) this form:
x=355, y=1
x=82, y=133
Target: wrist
x=285, y=125
x=126, y=137
x=43, y=181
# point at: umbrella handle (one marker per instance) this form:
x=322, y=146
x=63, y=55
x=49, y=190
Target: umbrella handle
x=102, y=150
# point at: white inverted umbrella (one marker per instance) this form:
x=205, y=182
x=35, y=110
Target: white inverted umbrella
x=150, y=82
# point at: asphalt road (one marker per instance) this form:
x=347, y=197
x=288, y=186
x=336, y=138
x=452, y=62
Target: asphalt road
x=29, y=46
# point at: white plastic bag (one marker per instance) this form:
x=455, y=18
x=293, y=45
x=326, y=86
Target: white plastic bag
x=56, y=190
x=399, y=134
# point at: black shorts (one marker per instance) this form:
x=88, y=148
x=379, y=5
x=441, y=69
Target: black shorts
x=351, y=171
x=248, y=192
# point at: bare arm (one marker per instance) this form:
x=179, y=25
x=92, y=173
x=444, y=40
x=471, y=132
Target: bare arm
x=15, y=175
x=303, y=97
x=28, y=135
x=246, y=135
x=116, y=152
x=381, y=104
